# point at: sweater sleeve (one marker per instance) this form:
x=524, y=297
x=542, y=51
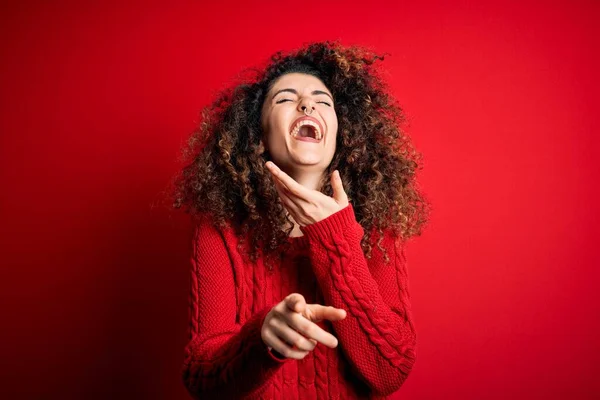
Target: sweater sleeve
x=223, y=358
x=377, y=336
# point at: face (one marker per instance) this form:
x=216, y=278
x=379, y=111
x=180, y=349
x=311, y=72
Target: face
x=282, y=108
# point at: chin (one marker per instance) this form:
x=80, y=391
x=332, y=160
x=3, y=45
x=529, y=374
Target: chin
x=308, y=162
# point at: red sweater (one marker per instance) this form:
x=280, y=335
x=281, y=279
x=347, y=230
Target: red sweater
x=226, y=357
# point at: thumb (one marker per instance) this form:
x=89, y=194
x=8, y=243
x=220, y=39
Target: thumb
x=296, y=302
x=337, y=185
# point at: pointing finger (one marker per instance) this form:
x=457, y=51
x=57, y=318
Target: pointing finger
x=319, y=312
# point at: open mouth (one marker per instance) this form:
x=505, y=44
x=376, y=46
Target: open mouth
x=307, y=129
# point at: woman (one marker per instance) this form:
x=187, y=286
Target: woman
x=302, y=185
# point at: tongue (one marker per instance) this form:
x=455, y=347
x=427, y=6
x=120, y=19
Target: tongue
x=305, y=132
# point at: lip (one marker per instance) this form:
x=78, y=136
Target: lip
x=313, y=119
x=307, y=139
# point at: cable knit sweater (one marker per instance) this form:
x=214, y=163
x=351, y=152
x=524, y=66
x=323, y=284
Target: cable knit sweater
x=226, y=358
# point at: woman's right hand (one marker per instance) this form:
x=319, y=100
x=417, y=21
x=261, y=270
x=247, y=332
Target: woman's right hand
x=290, y=327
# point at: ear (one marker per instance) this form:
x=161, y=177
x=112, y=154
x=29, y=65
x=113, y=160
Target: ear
x=262, y=145
x=264, y=142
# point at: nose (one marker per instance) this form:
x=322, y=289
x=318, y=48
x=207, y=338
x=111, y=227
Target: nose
x=306, y=104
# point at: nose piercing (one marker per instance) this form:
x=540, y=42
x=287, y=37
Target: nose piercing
x=304, y=108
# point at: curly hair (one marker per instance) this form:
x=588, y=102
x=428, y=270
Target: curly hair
x=224, y=175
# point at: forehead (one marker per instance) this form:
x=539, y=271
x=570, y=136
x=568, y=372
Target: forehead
x=298, y=81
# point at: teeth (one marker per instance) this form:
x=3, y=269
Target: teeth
x=306, y=122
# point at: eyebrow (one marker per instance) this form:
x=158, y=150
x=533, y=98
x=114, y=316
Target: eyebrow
x=314, y=92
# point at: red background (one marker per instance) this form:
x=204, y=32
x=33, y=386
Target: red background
x=96, y=100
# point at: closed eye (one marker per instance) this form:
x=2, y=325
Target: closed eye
x=282, y=100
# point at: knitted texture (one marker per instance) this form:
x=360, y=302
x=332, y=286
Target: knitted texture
x=226, y=358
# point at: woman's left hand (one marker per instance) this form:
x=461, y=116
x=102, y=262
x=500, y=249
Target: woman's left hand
x=308, y=206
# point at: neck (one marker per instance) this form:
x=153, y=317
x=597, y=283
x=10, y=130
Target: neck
x=308, y=179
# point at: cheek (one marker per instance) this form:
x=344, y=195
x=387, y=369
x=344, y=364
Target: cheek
x=332, y=119
x=274, y=132
x=276, y=122
x=333, y=125
x=333, y=142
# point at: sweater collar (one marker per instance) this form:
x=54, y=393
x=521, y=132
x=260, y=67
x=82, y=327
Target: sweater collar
x=298, y=243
